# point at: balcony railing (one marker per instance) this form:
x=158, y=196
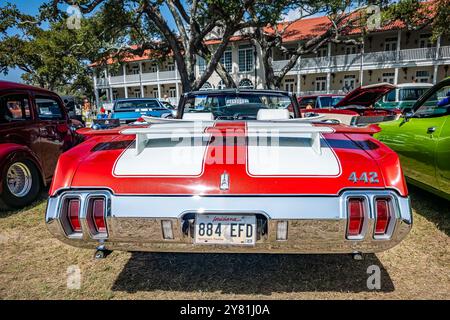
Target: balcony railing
x=369, y=58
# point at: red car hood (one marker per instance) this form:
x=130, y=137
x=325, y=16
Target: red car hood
x=365, y=96
x=293, y=166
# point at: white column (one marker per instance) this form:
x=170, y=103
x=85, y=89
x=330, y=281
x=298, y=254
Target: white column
x=396, y=76
x=97, y=100
x=299, y=80
x=178, y=91
x=111, y=94
x=435, y=62
x=435, y=73
x=361, y=71
x=399, y=44
x=124, y=68
x=126, y=92
x=140, y=79
x=157, y=80
x=328, y=81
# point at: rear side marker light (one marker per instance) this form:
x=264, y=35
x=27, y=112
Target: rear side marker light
x=72, y=212
x=97, y=207
x=383, y=216
x=282, y=230
x=167, y=229
x=355, y=211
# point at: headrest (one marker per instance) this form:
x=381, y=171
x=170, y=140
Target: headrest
x=200, y=116
x=273, y=114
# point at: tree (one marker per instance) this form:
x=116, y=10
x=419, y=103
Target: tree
x=43, y=54
x=194, y=20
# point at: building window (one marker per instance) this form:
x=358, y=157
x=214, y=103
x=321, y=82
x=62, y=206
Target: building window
x=201, y=64
x=422, y=76
x=171, y=67
x=390, y=44
x=135, y=70
x=322, y=52
x=424, y=41
x=172, y=92
x=245, y=58
x=153, y=68
x=351, y=49
x=155, y=93
x=289, y=85
x=221, y=85
x=245, y=83
x=115, y=95
x=137, y=93
x=227, y=60
x=388, y=77
x=349, y=82
x=321, y=83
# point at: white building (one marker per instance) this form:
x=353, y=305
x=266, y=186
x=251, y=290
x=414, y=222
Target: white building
x=391, y=54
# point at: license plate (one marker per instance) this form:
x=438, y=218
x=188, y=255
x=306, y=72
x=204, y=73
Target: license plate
x=225, y=229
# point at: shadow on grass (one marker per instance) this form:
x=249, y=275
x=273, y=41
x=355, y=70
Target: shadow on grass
x=248, y=273
x=40, y=199
x=431, y=207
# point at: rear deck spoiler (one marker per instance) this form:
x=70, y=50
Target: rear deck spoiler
x=197, y=129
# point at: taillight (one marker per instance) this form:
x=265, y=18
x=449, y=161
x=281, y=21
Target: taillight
x=383, y=216
x=73, y=211
x=97, y=213
x=355, y=210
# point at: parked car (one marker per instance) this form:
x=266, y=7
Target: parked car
x=73, y=107
x=404, y=96
x=358, y=107
x=422, y=140
x=319, y=101
x=34, y=130
x=233, y=173
x=129, y=110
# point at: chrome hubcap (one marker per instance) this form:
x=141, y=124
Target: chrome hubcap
x=19, y=179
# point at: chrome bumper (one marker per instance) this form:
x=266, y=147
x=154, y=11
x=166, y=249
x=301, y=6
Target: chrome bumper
x=316, y=224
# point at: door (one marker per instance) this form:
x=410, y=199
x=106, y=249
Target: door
x=16, y=121
x=420, y=141
x=443, y=158
x=54, y=134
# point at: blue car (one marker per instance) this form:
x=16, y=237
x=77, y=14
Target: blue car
x=129, y=110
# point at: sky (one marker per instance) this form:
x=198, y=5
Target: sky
x=32, y=7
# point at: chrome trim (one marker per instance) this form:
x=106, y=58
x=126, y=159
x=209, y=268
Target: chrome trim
x=317, y=224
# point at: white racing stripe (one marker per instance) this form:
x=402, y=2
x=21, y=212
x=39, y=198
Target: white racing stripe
x=287, y=153
x=171, y=150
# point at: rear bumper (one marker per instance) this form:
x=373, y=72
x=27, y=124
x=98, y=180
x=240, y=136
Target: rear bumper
x=316, y=224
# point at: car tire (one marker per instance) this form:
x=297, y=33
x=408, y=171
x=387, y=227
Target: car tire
x=21, y=184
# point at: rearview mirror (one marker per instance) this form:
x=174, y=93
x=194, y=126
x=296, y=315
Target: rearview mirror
x=407, y=114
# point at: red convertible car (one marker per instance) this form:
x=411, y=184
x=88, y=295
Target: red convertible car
x=358, y=107
x=233, y=173
x=34, y=131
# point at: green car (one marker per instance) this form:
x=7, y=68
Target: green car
x=422, y=140
x=404, y=96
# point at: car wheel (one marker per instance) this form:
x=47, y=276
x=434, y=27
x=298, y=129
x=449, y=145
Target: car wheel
x=21, y=184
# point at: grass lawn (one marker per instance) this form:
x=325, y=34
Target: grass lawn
x=33, y=265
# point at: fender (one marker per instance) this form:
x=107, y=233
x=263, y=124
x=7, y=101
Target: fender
x=13, y=151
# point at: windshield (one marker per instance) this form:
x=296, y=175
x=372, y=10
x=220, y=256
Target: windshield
x=328, y=102
x=236, y=106
x=411, y=94
x=136, y=105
